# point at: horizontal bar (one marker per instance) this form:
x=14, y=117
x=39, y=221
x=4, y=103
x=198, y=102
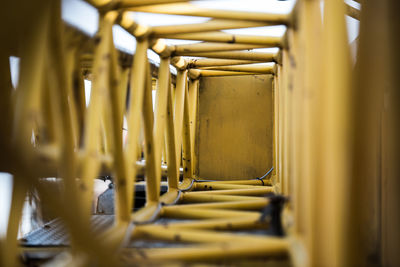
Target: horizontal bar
x=211, y=25
x=187, y=213
x=234, y=223
x=263, y=69
x=209, y=62
x=194, y=73
x=353, y=12
x=244, y=182
x=232, y=205
x=152, y=210
x=234, y=250
x=221, y=186
x=187, y=9
x=241, y=55
x=223, y=37
x=204, y=198
x=238, y=192
x=198, y=236
x=212, y=47
x=107, y=5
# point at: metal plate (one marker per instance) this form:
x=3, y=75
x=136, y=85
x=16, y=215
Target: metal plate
x=54, y=233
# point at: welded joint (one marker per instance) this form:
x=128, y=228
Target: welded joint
x=160, y=47
x=274, y=69
x=285, y=41
x=293, y=20
x=278, y=57
x=194, y=74
x=179, y=62
x=106, y=6
x=128, y=23
x=137, y=30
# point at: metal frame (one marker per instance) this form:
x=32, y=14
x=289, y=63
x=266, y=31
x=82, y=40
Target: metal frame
x=311, y=164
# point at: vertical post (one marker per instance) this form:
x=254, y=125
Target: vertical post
x=193, y=103
x=173, y=174
x=311, y=30
x=186, y=146
x=148, y=124
x=159, y=124
x=137, y=82
x=334, y=177
x=181, y=78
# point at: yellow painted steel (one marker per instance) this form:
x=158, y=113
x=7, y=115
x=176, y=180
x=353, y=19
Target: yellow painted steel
x=241, y=55
x=239, y=147
x=205, y=62
x=255, y=68
x=216, y=73
x=188, y=197
x=192, y=10
x=211, y=47
x=211, y=25
x=333, y=146
x=223, y=37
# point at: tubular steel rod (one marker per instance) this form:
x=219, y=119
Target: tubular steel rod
x=215, y=73
x=212, y=47
x=206, y=62
x=273, y=246
x=266, y=69
x=193, y=10
x=236, y=223
x=238, y=192
x=223, y=37
x=241, y=55
x=211, y=25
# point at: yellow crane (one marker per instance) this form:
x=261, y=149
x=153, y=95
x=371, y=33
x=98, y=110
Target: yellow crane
x=245, y=157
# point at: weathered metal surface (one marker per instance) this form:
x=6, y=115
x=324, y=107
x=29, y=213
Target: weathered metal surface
x=235, y=127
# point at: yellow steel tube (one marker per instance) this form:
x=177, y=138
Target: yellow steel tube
x=241, y=182
x=211, y=47
x=137, y=82
x=181, y=78
x=193, y=90
x=192, y=10
x=108, y=5
x=92, y=132
x=208, y=62
x=240, y=192
x=223, y=37
x=215, y=73
x=67, y=170
x=222, y=186
x=70, y=58
x=256, y=204
x=211, y=25
x=186, y=145
x=233, y=223
x=188, y=213
x=173, y=166
x=204, y=198
x=153, y=186
x=333, y=187
x=256, y=68
x=200, y=236
x=123, y=208
x=353, y=12
x=148, y=124
x=275, y=246
x=241, y=55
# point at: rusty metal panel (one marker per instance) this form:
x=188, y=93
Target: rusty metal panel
x=235, y=127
